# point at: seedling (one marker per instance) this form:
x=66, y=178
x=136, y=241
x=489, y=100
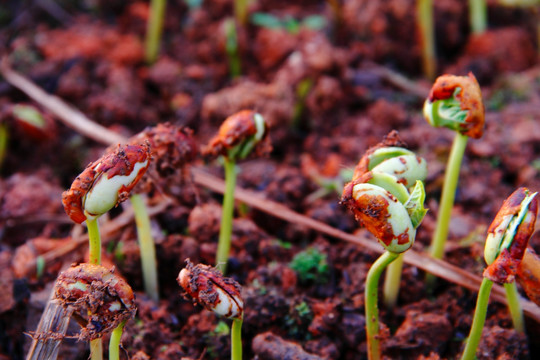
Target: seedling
x=242, y=134
x=424, y=13
x=222, y=295
x=506, y=242
x=395, y=229
x=396, y=170
x=455, y=102
x=382, y=203
x=154, y=30
x=100, y=301
x=478, y=16
x=101, y=186
x=232, y=48
x=172, y=148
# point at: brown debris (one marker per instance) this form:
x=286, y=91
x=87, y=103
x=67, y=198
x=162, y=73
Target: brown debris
x=268, y=346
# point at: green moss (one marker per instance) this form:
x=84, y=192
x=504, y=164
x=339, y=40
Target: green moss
x=311, y=266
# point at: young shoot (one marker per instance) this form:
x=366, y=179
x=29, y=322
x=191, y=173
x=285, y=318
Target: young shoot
x=101, y=186
x=424, y=14
x=506, y=243
x=241, y=135
x=101, y=301
x=388, y=219
x=173, y=148
x=397, y=170
x=154, y=30
x=455, y=102
x=208, y=287
x=382, y=203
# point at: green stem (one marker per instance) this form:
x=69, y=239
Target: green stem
x=424, y=9
x=146, y=246
x=114, y=342
x=478, y=16
x=236, y=340
x=241, y=11
x=96, y=349
x=478, y=321
x=154, y=30
x=447, y=198
x=225, y=232
x=372, y=309
x=3, y=142
x=514, y=306
x=94, y=241
x=392, y=281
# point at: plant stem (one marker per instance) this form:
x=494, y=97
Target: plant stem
x=236, y=340
x=479, y=319
x=240, y=11
x=114, y=342
x=392, y=281
x=372, y=309
x=231, y=48
x=512, y=296
x=224, y=243
x=447, y=198
x=146, y=246
x=3, y=142
x=96, y=349
x=424, y=9
x=154, y=30
x=478, y=16
x=94, y=241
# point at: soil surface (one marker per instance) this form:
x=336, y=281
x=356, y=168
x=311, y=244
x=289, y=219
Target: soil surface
x=331, y=81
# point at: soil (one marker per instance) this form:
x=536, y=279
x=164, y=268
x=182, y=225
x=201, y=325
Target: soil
x=91, y=54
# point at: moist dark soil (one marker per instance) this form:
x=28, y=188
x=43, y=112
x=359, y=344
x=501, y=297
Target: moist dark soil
x=351, y=62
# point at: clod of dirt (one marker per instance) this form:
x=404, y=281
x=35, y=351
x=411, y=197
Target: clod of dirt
x=268, y=346
x=496, y=51
x=502, y=344
x=420, y=333
x=91, y=41
x=7, y=300
x=204, y=222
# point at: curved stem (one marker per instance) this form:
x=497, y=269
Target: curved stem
x=392, y=281
x=236, y=340
x=479, y=319
x=447, y=198
x=512, y=296
x=224, y=244
x=94, y=241
x=146, y=246
x=96, y=349
x=372, y=309
x=154, y=30
x=114, y=342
